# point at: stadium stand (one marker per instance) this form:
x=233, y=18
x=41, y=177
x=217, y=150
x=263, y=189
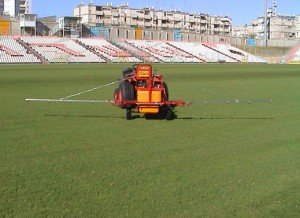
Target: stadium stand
x=294, y=55
x=202, y=52
x=129, y=47
x=235, y=53
x=111, y=52
x=297, y=56
x=12, y=52
x=61, y=50
x=164, y=52
x=27, y=49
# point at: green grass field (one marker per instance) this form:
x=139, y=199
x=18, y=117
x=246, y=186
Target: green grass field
x=86, y=160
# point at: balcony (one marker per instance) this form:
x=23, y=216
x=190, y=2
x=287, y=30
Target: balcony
x=148, y=17
x=177, y=19
x=115, y=23
x=140, y=15
x=133, y=23
x=107, y=22
x=178, y=26
x=107, y=13
x=140, y=24
x=99, y=21
x=225, y=19
x=115, y=14
x=99, y=13
x=170, y=18
x=134, y=15
x=192, y=20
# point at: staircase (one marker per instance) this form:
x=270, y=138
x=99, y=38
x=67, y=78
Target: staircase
x=91, y=49
x=32, y=51
x=216, y=50
x=173, y=46
x=140, y=56
x=54, y=31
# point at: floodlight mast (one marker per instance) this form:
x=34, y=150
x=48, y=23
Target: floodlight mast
x=265, y=24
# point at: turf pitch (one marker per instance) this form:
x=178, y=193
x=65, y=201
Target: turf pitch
x=86, y=160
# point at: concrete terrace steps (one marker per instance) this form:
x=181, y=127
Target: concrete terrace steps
x=215, y=48
x=59, y=46
x=9, y=51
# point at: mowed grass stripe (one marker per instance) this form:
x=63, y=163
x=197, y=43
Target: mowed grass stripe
x=218, y=160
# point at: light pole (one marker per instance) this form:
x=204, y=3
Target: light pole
x=265, y=23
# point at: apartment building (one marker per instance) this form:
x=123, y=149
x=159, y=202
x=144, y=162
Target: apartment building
x=1, y=7
x=281, y=27
x=25, y=6
x=14, y=8
x=152, y=19
x=278, y=27
x=297, y=24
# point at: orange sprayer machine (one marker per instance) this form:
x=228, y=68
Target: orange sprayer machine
x=144, y=92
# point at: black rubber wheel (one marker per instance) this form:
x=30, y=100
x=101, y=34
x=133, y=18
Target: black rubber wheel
x=135, y=66
x=116, y=94
x=126, y=92
x=126, y=72
x=166, y=94
x=128, y=114
x=170, y=115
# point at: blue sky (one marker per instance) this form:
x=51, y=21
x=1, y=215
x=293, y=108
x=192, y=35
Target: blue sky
x=241, y=11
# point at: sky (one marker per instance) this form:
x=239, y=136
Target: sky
x=241, y=11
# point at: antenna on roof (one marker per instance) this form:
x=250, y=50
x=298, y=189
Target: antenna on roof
x=275, y=7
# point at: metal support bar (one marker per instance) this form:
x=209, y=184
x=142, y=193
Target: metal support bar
x=179, y=102
x=235, y=101
x=68, y=101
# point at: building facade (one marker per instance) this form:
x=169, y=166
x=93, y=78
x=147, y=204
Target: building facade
x=25, y=6
x=281, y=27
x=297, y=24
x=1, y=7
x=278, y=27
x=14, y=8
x=151, y=19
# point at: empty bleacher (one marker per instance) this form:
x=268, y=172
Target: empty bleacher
x=142, y=55
x=61, y=50
x=12, y=52
x=235, y=53
x=297, y=56
x=9, y=51
x=203, y=52
x=113, y=53
x=97, y=50
x=164, y=51
x=294, y=55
